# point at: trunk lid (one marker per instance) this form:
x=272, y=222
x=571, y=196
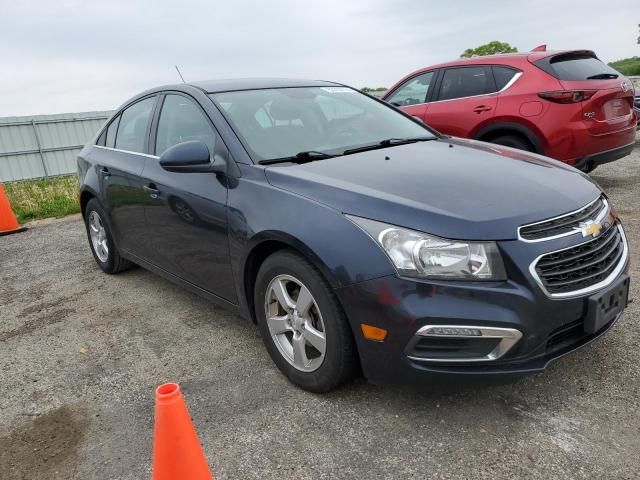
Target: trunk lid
x=608, y=105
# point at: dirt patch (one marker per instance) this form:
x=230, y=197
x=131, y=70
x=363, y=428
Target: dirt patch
x=45, y=446
x=38, y=307
x=32, y=325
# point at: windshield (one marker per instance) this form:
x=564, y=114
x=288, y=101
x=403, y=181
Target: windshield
x=282, y=122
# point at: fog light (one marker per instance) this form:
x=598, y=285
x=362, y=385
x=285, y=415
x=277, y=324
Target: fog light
x=454, y=331
x=373, y=333
x=461, y=343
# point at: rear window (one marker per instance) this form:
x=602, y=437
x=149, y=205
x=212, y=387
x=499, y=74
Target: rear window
x=577, y=67
x=503, y=76
x=466, y=82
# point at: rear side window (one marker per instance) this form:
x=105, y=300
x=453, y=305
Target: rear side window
x=577, y=67
x=413, y=92
x=111, y=133
x=180, y=121
x=503, y=76
x=133, y=126
x=466, y=82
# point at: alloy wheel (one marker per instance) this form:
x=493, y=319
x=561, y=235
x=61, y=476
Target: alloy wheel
x=98, y=236
x=295, y=323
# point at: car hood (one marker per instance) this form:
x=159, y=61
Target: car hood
x=454, y=188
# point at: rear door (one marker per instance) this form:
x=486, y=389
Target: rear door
x=465, y=99
x=120, y=161
x=608, y=104
x=413, y=95
x=186, y=212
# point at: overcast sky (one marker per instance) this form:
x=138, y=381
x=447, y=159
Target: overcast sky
x=70, y=56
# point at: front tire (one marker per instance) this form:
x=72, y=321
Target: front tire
x=100, y=239
x=302, y=324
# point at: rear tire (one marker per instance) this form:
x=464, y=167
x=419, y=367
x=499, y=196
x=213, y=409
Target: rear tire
x=312, y=316
x=513, y=141
x=100, y=239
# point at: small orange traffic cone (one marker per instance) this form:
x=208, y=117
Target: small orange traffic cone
x=177, y=454
x=8, y=222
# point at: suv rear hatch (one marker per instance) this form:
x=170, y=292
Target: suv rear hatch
x=605, y=95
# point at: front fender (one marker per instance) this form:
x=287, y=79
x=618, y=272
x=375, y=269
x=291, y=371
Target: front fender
x=259, y=212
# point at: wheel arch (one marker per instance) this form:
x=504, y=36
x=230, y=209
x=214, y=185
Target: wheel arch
x=264, y=245
x=498, y=129
x=85, y=195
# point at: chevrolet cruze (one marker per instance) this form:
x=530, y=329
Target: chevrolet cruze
x=357, y=238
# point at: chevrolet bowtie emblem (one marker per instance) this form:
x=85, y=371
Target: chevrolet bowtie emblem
x=590, y=228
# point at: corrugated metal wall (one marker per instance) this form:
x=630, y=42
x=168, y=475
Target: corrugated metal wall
x=44, y=145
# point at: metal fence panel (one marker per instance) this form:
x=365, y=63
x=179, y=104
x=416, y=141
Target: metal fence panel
x=45, y=145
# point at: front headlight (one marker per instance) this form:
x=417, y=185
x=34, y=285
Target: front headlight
x=417, y=254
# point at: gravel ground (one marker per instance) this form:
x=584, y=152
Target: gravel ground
x=81, y=353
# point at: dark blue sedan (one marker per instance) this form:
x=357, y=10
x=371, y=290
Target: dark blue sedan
x=358, y=239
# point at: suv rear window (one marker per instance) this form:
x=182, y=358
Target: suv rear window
x=576, y=67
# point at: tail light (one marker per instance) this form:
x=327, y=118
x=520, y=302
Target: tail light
x=567, y=96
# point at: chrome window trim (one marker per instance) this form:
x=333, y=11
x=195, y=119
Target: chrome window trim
x=508, y=85
x=601, y=215
x=509, y=336
x=583, y=291
x=126, y=151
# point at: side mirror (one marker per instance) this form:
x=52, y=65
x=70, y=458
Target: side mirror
x=190, y=157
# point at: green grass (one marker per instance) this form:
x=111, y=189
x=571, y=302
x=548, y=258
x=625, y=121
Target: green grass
x=44, y=198
x=627, y=66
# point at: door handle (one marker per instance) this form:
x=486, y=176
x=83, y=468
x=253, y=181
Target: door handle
x=151, y=189
x=105, y=172
x=481, y=108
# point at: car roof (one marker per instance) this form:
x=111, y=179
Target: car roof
x=502, y=58
x=230, y=84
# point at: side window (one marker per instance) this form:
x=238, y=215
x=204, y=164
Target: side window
x=413, y=92
x=181, y=121
x=466, y=82
x=503, y=75
x=111, y=132
x=133, y=126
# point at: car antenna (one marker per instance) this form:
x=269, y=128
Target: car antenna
x=181, y=77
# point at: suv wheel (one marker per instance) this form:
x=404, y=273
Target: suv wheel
x=101, y=241
x=302, y=325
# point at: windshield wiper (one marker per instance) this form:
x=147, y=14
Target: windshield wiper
x=602, y=76
x=300, y=157
x=389, y=142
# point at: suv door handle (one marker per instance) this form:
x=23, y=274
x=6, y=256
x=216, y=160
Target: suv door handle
x=151, y=189
x=105, y=172
x=481, y=108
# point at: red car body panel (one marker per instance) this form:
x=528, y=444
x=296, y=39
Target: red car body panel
x=571, y=132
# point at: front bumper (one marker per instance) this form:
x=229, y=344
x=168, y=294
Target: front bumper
x=551, y=328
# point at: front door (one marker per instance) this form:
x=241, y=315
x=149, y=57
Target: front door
x=413, y=95
x=186, y=212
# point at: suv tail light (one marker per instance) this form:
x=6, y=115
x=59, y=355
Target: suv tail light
x=567, y=96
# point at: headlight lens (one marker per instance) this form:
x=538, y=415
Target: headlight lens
x=417, y=254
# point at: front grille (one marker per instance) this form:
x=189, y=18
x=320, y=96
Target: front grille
x=581, y=266
x=565, y=224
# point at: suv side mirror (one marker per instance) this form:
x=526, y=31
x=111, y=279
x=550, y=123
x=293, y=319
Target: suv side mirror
x=190, y=157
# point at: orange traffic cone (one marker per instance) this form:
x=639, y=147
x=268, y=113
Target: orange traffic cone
x=8, y=222
x=177, y=454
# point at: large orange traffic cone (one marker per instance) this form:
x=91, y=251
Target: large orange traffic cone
x=8, y=222
x=177, y=454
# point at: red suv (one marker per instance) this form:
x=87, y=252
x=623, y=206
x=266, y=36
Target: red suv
x=567, y=105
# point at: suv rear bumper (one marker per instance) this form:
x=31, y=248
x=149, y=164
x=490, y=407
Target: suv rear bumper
x=595, y=159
